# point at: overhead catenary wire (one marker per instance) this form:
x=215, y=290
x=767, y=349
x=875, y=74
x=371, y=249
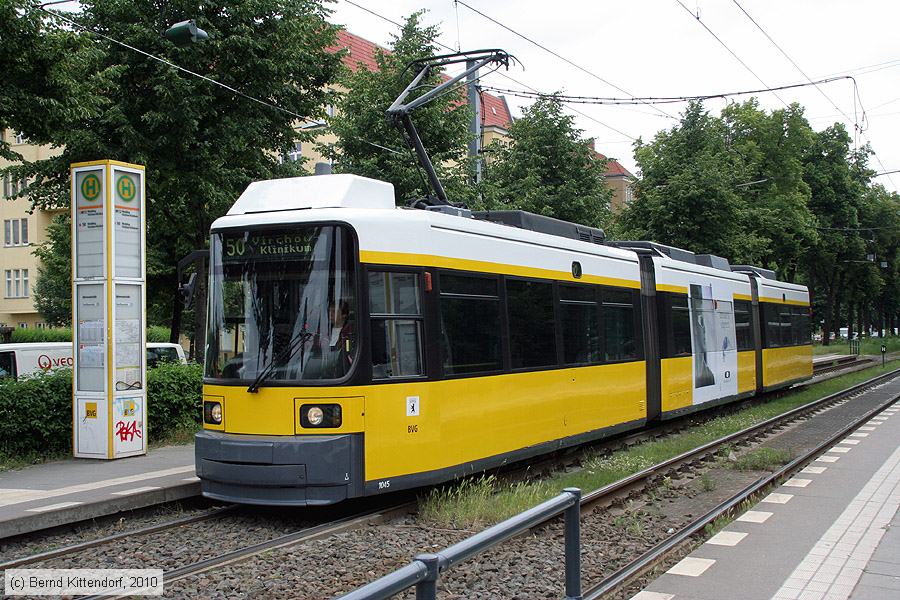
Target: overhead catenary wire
x=730, y=51
x=553, y=53
x=858, y=129
x=504, y=75
x=610, y=100
x=183, y=69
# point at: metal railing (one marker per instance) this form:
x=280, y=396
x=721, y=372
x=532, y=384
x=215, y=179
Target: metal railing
x=425, y=569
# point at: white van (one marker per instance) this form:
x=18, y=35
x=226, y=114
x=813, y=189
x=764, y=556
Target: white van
x=17, y=360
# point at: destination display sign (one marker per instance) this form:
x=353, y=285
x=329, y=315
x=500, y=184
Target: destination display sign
x=268, y=245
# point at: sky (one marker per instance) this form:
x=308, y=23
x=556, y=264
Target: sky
x=660, y=48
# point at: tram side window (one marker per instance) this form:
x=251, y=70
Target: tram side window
x=532, y=328
x=680, y=316
x=580, y=325
x=618, y=325
x=742, y=325
x=801, y=325
x=772, y=319
x=470, y=324
x=396, y=317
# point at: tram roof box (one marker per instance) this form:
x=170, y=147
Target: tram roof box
x=541, y=224
x=314, y=191
x=711, y=260
x=757, y=271
x=670, y=251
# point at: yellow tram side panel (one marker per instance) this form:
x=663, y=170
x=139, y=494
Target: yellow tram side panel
x=746, y=371
x=786, y=364
x=459, y=421
x=676, y=382
x=467, y=419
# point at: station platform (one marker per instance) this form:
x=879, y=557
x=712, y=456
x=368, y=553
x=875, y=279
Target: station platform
x=72, y=490
x=831, y=532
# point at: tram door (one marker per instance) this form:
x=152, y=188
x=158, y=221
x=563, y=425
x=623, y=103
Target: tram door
x=651, y=334
x=756, y=324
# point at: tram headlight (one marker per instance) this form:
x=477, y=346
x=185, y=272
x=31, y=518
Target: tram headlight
x=212, y=413
x=315, y=416
x=320, y=415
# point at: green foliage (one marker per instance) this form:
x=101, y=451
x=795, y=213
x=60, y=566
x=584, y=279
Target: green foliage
x=202, y=144
x=361, y=125
x=547, y=168
x=52, y=291
x=688, y=184
x=51, y=334
x=36, y=414
x=174, y=398
x=36, y=411
x=158, y=333
x=765, y=189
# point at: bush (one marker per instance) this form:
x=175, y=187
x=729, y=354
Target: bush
x=155, y=333
x=175, y=398
x=158, y=334
x=52, y=334
x=36, y=411
x=36, y=414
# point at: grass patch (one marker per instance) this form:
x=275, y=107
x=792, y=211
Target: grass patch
x=487, y=500
x=868, y=345
x=177, y=437
x=11, y=463
x=762, y=459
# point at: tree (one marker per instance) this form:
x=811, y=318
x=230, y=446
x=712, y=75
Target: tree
x=836, y=188
x=52, y=291
x=771, y=148
x=369, y=146
x=687, y=195
x=39, y=95
x=202, y=143
x=547, y=168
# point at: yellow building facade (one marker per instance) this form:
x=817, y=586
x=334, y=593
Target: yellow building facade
x=23, y=231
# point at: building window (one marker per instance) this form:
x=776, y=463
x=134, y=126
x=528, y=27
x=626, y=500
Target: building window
x=21, y=139
x=16, y=283
x=293, y=155
x=15, y=232
x=40, y=325
x=629, y=194
x=23, y=325
x=12, y=187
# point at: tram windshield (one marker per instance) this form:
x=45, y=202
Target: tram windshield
x=282, y=304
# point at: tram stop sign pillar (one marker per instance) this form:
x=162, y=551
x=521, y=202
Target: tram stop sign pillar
x=109, y=380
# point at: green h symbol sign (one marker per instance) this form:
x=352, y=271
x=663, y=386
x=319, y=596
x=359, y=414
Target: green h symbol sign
x=90, y=187
x=126, y=188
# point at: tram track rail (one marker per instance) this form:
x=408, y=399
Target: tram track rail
x=307, y=534
x=115, y=538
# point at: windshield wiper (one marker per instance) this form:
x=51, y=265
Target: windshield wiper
x=285, y=355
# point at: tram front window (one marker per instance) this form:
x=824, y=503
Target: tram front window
x=282, y=305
